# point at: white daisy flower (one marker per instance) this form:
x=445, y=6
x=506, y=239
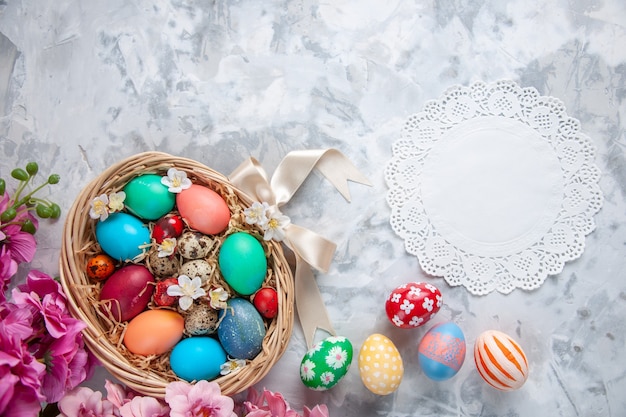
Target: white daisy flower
x=307, y=370
x=336, y=357
x=327, y=378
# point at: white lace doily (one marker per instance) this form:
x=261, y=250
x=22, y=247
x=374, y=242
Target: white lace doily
x=493, y=187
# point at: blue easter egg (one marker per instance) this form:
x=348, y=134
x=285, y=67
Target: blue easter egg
x=243, y=263
x=197, y=358
x=121, y=236
x=148, y=198
x=241, y=330
x=441, y=352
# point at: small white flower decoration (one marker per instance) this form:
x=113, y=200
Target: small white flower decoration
x=395, y=298
x=176, y=181
x=167, y=247
x=217, y=298
x=257, y=213
x=397, y=320
x=233, y=365
x=407, y=306
x=116, y=201
x=274, y=227
x=431, y=287
x=428, y=304
x=416, y=321
x=307, y=370
x=327, y=378
x=439, y=300
x=187, y=289
x=415, y=291
x=99, y=207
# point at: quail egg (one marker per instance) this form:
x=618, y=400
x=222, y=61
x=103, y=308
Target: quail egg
x=162, y=267
x=201, y=319
x=197, y=268
x=194, y=245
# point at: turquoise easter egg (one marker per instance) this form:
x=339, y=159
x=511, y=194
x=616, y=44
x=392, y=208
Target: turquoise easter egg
x=147, y=198
x=241, y=330
x=441, y=352
x=121, y=236
x=243, y=263
x=196, y=358
x=326, y=363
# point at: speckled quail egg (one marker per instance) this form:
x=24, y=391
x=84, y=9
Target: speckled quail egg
x=194, y=245
x=196, y=268
x=201, y=319
x=166, y=266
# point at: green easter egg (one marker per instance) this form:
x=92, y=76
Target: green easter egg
x=242, y=263
x=147, y=198
x=326, y=363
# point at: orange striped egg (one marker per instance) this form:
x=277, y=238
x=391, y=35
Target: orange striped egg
x=500, y=360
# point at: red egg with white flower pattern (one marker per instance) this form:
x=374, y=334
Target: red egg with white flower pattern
x=412, y=305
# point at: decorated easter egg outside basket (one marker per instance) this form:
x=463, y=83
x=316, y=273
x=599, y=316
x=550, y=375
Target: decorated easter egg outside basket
x=441, y=352
x=150, y=375
x=326, y=363
x=412, y=305
x=500, y=360
x=380, y=365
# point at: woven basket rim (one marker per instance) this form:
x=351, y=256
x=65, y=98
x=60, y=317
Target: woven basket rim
x=77, y=237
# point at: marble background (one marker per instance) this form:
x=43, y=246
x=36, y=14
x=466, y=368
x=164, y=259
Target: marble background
x=84, y=84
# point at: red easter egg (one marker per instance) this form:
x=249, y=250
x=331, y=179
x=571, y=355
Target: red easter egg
x=161, y=297
x=127, y=292
x=413, y=304
x=167, y=226
x=266, y=302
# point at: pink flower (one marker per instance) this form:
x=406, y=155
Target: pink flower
x=8, y=268
x=116, y=393
x=277, y=406
x=66, y=364
x=318, y=411
x=20, y=380
x=144, y=407
x=43, y=295
x=203, y=398
x=84, y=402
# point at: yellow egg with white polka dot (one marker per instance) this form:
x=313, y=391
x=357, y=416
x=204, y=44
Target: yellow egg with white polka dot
x=380, y=365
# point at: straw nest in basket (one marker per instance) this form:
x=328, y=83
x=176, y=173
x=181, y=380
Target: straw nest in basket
x=150, y=374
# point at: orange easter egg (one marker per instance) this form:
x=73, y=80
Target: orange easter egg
x=500, y=361
x=154, y=332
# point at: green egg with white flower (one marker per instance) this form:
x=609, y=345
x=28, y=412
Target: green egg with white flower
x=326, y=363
x=147, y=198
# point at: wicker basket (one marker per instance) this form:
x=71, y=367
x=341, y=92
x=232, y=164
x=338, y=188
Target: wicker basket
x=150, y=375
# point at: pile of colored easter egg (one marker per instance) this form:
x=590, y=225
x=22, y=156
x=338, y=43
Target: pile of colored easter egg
x=188, y=284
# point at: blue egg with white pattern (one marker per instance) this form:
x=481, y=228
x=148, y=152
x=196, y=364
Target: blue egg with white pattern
x=241, y=330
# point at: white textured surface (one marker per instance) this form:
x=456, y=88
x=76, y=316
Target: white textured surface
x=84, y=84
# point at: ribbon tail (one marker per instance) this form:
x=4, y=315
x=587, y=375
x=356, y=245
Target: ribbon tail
x=338, y=170
x=309, y=304
x=297, y=165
